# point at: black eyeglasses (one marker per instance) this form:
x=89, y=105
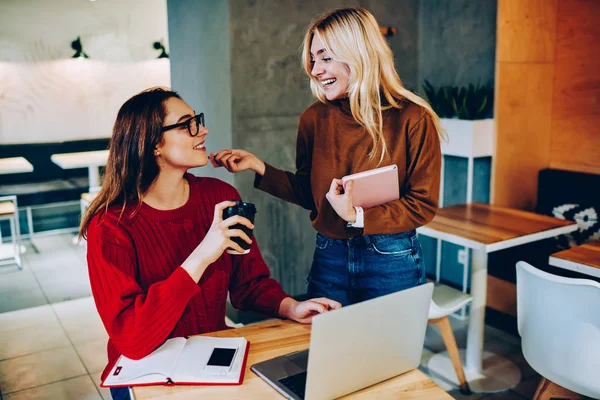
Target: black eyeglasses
x=193, y=128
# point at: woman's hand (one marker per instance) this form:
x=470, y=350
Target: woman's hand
x=304, y=311
x=237, y=160
x=342, y=203
x=216, y=241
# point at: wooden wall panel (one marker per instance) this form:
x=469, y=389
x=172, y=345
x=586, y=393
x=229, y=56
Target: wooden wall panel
x=547, y=94
x=547, y=103
x=523, y=104
x=577, y=88
x=526, y=30
x=575, y=138
x=578, y=31
x=575, y=144
x=502, y=296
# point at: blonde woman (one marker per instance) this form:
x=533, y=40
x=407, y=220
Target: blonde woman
x=364, y=118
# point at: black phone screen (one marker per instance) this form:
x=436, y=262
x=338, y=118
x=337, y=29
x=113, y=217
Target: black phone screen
x=221, y=357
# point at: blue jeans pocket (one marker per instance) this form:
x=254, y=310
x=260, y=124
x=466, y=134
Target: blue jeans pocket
x=392, y=263
x=393, y=245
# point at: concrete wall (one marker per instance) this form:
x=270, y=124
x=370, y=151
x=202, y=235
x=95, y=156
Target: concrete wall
x=457, y=47
x=457, y=41
x=201, y=68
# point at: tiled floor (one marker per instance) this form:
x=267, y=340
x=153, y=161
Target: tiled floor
x=53, y=344
x=53, y=271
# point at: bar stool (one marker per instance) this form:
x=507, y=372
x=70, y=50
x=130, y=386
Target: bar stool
x=445, y=301
x=86, y=199
x=9, y=211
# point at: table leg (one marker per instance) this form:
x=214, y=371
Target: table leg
x=477, y=311
x=94, y=178
x=486, y=372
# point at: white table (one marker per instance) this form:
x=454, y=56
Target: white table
x=584, y=259
x=14, y=165
x=484, y=229
x=91, y=160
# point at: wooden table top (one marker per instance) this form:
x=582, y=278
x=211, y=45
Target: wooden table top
x=14, y=165
x=479, y=225
x=6, y=208
x=587, y=256
x=274, y=338
x=82, y=159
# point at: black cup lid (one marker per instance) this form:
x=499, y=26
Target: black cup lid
x=243, y=205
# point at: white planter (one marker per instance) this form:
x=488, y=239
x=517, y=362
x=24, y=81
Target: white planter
x=468, y=138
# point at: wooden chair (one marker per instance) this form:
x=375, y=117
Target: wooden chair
x=548, y=390
x=444, y=302
x=9, y=211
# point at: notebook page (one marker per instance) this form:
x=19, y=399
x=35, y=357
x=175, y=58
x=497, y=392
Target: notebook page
x=191, y=365
x=155, y=367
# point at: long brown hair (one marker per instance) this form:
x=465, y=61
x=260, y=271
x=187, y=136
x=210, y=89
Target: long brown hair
x=131, y=167
x=352, y=36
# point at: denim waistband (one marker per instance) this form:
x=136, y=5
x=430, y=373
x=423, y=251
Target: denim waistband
x=368, y=239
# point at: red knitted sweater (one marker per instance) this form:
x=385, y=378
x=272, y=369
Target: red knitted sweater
x=142, y=294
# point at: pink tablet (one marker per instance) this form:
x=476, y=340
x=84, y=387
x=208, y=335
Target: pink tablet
x=374, y=187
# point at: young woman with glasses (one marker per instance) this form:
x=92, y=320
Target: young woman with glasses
x=364, y=118
x=156, y=237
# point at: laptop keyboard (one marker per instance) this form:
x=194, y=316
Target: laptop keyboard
x=295, y=383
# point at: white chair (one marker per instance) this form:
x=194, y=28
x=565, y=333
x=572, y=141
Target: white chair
x=9, y=211
x=84, y=202
x=445, y=301
x=559, y=324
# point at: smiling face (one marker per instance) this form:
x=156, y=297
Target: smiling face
x=177, y=149
x=332, y=75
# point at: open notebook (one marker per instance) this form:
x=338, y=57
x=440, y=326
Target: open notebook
x=198, y=360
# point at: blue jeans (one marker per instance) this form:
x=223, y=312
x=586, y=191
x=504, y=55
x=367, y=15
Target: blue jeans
x=120, y=393
x=365, y=267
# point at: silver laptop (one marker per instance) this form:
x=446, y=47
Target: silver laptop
x=354, y=347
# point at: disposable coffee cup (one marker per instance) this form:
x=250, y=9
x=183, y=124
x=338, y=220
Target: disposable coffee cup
x=246, y=210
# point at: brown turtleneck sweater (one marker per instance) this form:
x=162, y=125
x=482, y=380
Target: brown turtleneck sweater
x=331, y=144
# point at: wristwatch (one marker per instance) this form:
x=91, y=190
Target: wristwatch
x=360, y=219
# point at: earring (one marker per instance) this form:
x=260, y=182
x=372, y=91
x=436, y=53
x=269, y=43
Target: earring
x=156, y=153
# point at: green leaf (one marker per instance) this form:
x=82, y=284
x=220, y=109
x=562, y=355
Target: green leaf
x=465, y=109
x=472, y=101
x=482, y=107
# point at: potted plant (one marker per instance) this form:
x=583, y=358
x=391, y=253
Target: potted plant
x=465, y=114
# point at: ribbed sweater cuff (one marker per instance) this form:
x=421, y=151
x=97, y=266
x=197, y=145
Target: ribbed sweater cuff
x=183, y=283
x=276, y=310
x=269, y=179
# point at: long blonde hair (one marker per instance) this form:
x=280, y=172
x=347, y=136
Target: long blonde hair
x=352, y=36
